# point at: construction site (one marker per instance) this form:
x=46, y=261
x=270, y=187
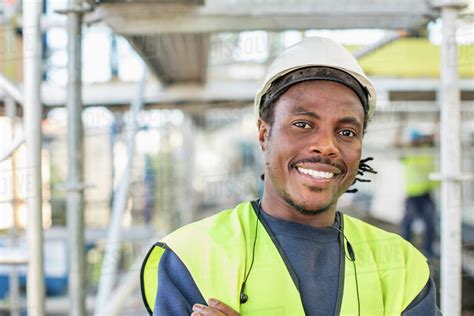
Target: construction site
x=123, y=120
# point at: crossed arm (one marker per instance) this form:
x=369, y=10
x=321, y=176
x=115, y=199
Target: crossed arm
x=180, y=296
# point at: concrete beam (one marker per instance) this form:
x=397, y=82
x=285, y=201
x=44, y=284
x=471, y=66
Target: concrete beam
x=233, y=16
x=174, y=58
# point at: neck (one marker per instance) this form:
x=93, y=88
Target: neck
x=279, y=208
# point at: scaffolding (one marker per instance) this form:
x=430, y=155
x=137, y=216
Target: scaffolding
x=109, y=301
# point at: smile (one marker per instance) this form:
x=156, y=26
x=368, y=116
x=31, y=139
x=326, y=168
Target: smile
x=315, y=173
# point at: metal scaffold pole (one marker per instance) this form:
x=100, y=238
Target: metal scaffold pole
x=75, y=185
x=11, y=89
x=10, y=110
x=32, y=120
x=450, y=119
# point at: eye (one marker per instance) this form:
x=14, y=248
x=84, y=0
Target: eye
x=302, y=125
x=347, y=133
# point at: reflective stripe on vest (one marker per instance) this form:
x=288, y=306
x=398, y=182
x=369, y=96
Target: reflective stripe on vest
x=217, y=251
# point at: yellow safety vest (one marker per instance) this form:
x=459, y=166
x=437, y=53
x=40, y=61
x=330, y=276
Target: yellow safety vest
x=217, y=251
x=417, y=169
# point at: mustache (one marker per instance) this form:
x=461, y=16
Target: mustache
x=319, y=159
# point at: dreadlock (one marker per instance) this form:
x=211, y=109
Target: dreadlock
x=363, y=167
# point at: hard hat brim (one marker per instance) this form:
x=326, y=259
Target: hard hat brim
x=364, y=82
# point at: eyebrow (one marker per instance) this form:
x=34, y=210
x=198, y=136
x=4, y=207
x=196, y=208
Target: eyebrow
x=350, y=120
x=303, y=111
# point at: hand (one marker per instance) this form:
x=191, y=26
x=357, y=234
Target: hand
x=215, y=308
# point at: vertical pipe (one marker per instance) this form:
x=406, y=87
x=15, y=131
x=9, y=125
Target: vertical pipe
x=75, y=195
x=112, y=246
x=187, y=205
x=32, y=121
x=450, y=167
x=10, y=110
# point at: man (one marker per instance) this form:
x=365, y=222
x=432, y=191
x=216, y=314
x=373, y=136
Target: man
x=292, y=253
x=418, y=188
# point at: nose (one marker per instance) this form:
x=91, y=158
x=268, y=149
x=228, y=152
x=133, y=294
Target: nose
x=324, y=144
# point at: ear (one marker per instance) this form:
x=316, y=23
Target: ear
x=263, y=133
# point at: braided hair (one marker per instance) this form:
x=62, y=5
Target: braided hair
x=363, y=168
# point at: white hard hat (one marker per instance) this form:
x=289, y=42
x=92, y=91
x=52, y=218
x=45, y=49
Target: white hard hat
x=317, y=52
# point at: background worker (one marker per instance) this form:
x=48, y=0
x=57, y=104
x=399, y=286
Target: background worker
x=292, y=252
x=418, y=190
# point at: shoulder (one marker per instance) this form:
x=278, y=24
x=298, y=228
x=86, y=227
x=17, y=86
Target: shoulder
x=359, y=229
x=223, y=227
x=402, y=268
x=386, y=244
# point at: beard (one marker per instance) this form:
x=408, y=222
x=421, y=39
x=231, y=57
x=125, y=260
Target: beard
x=305, y=209
x=300, y=206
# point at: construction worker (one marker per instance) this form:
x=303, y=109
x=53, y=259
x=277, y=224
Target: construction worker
x=418, y=190
x=293, y=252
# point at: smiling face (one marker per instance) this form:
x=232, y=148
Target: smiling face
x=312, y=151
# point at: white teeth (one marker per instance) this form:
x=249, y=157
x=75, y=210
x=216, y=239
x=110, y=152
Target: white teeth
x=316, y=174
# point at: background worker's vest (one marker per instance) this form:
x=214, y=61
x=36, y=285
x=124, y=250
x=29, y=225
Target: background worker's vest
x=217, y=251
x=417, y=169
